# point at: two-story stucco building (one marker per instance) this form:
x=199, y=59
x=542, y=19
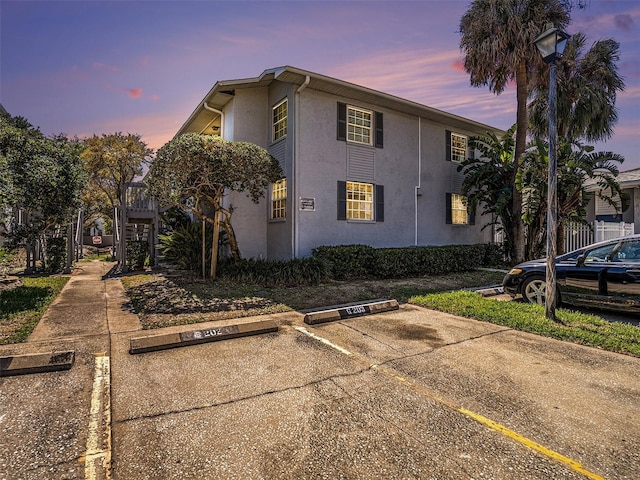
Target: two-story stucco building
x=360, y=166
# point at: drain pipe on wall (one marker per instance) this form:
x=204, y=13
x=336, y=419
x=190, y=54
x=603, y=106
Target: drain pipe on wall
x=417, y=188
x=294, y=167
x=211, y=109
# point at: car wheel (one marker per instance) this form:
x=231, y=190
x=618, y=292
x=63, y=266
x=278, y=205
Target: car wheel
x=534, y=290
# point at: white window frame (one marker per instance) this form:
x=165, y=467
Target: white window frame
x=359, y=128
x=459, y=147
x=279, y=121
x=459, y=214
x=279, y=200
x=360, y=201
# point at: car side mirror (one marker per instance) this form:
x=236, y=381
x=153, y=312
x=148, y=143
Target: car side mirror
x=580, y=261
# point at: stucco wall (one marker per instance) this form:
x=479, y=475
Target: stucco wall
x=322, y=162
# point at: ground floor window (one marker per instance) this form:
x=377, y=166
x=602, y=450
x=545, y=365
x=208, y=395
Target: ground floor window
x=457, y=212
x=359, y=201
x=279, y=199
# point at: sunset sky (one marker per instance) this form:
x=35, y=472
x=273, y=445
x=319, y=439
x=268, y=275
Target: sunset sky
x=84, y=67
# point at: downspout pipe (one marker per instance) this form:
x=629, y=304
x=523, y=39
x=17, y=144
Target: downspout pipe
x=294, y=170
x=418, y=193
x=206, y=106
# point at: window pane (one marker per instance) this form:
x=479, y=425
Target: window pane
x=458, y=209
x=359, y=124
x=279, y=199
x=359, y=201
x=458, y=147
x=280, y=120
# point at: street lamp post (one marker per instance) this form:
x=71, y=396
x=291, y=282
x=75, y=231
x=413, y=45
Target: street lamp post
x=551, y=45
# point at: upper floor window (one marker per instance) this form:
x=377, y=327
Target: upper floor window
x=456, y=147
x=279, y=199
x=359, y=124
x=280, y=120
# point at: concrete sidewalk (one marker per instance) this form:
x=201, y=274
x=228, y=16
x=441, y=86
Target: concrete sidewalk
x=60, y=404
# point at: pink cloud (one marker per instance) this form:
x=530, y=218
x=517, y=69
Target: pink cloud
x=133, y=92
x=154, y=97
x=458, y=65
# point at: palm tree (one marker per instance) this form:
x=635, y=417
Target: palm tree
x=497, y=37
x=487, y=181
x=577, y=163
x=588, y=84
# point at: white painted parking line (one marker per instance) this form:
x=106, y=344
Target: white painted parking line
x=98, y=454
x=323, y=340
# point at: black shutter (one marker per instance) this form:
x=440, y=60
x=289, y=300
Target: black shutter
x=379, y=203
x=378, y=129
x=342, y=200
x=342, y=121
x=471, y=218
x=447, y=204
x=448, y=145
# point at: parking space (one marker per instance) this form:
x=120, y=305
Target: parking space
x=408, y=394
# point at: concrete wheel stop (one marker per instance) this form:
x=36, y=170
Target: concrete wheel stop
x=36, y=363
x=350, y=310
x=165, y=341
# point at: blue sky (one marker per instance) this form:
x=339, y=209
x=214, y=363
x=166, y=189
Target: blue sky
x=84, y=67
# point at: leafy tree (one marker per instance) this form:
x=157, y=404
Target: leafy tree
x=111, y=161
x=577, y=164
x=46, y=175
x=588, y=85
x=487, y=183
x=497, y=37
x=194, y=172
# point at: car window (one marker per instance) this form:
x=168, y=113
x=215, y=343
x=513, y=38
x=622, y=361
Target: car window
x=600, y=254
x=628, y=252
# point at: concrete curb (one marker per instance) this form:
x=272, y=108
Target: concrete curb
x=165, y=341
x=36, y=363
x=490, y=291
x=342, y=312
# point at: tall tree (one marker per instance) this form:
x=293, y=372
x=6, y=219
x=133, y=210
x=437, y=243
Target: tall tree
x=578, y=165
x=588, y=86
x=194, y=172
x=487, y=180
x=111, y=161
x=497, y=37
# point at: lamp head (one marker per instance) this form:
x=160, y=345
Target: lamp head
x=551, y=43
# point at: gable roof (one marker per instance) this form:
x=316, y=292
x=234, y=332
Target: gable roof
x=222, y=92
x=627, y=179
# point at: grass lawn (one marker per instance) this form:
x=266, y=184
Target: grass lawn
x=571, y=326
x=22, y=307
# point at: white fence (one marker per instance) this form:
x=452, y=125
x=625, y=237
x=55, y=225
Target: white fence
x=577, y=235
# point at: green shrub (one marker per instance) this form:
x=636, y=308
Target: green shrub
x=55, y=254
x=361, y=261
x=299, y=271
x=183, y=246
x=137, y=253
x=347, y=261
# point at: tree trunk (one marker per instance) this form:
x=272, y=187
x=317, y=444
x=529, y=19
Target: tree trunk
x=233, y=242
x=214, y=244
x=521, y=144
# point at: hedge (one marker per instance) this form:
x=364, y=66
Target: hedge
x=362, y=261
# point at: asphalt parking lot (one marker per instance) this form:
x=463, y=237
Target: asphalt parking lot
x=407, y=394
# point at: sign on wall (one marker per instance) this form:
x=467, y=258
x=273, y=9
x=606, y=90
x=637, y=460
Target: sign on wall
x=307, y=204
